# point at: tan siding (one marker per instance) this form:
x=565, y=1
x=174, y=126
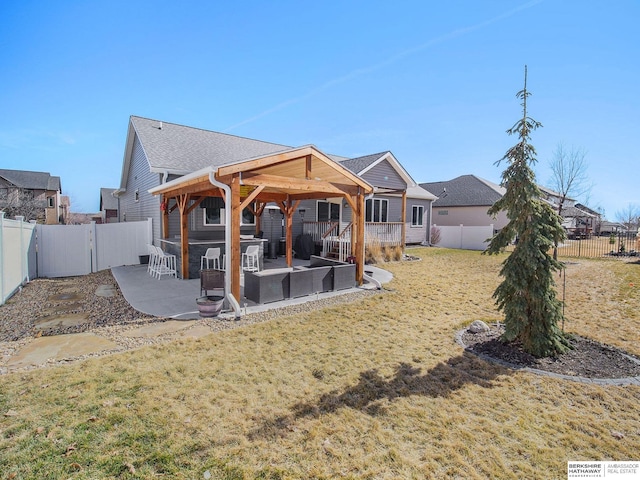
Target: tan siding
x=469, y=216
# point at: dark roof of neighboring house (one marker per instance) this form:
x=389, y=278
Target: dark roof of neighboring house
x=464, y=191
x=587, y=209
x=107, y=200
x=32, y=180
x=575, y=212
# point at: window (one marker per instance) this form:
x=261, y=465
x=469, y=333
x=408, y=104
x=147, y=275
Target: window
x=376, y=210
x=328, y=212
x=214, y=213
x=417, y=215
x=50, y=202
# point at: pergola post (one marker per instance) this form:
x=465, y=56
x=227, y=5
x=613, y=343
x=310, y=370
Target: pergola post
x=183, y=201
x=164, y=208
x=360, y=247
x=404, y=219
x=235, y=235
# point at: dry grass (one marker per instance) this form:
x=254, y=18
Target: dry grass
x=376, y=252
x=375, y=389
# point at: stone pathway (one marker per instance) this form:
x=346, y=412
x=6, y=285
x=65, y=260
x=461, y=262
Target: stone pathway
x=49, y=349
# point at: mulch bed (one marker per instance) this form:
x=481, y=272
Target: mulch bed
x=588, y=358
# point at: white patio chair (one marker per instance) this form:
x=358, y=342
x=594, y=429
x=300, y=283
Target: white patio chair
x=151, y=267
x=251, y=259
x=213, y=255
x=165, y=264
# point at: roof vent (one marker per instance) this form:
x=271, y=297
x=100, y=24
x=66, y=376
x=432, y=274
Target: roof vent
x=160, y=127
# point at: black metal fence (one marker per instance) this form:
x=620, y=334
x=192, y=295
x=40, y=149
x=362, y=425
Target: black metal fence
x=617, y=245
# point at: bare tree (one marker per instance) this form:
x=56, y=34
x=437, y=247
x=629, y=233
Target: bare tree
x=629, y=216
x=19, y=201
x=569, y=174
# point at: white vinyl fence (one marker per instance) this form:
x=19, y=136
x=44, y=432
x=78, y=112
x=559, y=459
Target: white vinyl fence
x=16, y=241
x=465, y=238
x=28, y=251
x=70, y=250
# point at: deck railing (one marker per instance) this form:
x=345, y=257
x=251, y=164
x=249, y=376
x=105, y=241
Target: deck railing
x=336, y=237
x=383, y=233
x=338, y=244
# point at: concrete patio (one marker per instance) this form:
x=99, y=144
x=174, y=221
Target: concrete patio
x=176, y=298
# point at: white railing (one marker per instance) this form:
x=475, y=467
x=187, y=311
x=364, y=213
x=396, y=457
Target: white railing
x=327, y=234
x=318, y=230
x=383, y=233
x=338, y=243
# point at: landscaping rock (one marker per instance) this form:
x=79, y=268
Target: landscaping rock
x=478, y=326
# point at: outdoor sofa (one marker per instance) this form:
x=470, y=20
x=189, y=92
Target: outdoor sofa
x=344, y=274
x=322, y=275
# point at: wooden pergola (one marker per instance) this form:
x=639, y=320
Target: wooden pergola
x=285, y=178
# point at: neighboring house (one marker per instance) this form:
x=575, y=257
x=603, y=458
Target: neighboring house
x=465, y=200
x=578, y=220
x=108, y=206
x=157, y=152
x=34, y=195
x=608, y=228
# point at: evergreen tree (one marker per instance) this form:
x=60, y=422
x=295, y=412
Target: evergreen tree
x=527, y=295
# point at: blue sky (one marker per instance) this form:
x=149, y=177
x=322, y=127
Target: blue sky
x=434, y=82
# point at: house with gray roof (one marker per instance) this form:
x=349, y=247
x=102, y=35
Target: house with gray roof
x=157, y=152
x=34, y=195
x=465, y=200
x=108, y=206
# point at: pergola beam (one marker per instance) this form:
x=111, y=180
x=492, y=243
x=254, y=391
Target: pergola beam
x=290, y=183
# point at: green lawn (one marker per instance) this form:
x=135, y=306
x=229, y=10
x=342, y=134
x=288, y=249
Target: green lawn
x=374, y=389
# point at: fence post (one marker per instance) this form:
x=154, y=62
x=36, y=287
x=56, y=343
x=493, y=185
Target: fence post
x=1, y=258
x=461, y=235
x=93, y=248
x=24, y=261
x=149, y=231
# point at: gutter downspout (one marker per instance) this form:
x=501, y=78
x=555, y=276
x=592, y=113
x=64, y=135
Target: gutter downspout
x=227, y=240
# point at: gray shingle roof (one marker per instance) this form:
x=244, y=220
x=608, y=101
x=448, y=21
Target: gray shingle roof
x=107, y=200
x=464, y=191
x=31, y=180
x=575, y=212
x=178, y=148
x=358, y=164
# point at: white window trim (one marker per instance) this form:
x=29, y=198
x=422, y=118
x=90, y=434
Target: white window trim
x=318, y=202
x=384, y=201
x=420, y=217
